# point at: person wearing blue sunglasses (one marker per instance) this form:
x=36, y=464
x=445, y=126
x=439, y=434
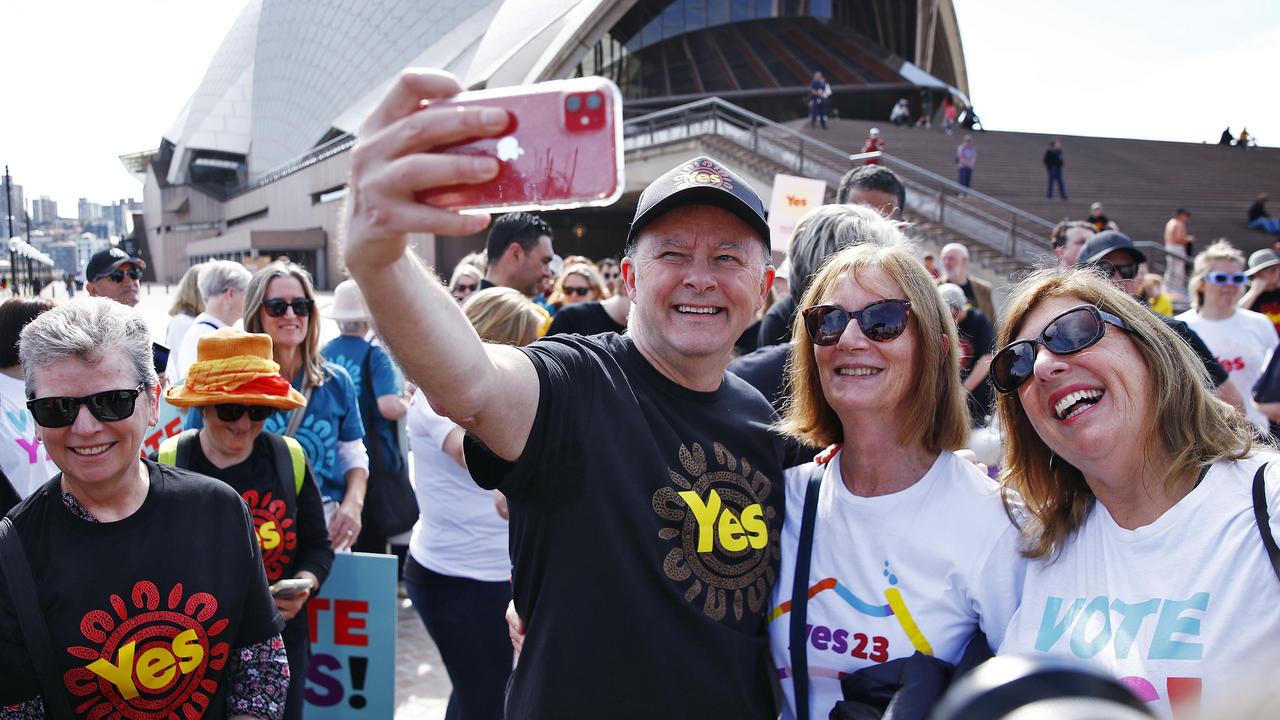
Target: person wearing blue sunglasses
x=1239, y=338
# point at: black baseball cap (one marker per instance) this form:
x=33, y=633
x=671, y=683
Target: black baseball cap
x=700, y=181
x=106, y=261
x=1097, y=247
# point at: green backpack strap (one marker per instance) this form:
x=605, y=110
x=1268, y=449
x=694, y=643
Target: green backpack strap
x=176, y=451
x=299, y=461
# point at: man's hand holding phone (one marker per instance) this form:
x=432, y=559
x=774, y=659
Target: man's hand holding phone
x=393, y=159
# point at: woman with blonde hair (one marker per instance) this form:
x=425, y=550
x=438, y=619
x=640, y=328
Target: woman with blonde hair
x=187, y=304
x=578, y=282
x=1137, y=487
x=458, y=568
x=465, y=281
x=1241, y=339
x=911, y=548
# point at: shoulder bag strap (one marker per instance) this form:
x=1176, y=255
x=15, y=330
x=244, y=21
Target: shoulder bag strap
x=800, y=595
x=35, y=634
x=295, y=418
x=1264, y=522
x=371, y=440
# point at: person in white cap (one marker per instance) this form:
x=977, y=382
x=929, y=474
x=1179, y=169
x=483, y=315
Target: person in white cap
x=1264, y=285
x=874, y=143
x=379, y=387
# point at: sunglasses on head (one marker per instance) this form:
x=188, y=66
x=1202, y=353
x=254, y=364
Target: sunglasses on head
x=232, y=413
x=276, y=307
x=118, y=276
x=1067, y=334
x=880, y=321
x=579, y=291
x=1222, y=278
x=107, y=406
x=1128, y=271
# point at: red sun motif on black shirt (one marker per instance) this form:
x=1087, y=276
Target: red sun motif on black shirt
x=146, y=661
x=277, y=535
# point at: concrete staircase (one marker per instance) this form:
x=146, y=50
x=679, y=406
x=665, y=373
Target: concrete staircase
x=1140, y=182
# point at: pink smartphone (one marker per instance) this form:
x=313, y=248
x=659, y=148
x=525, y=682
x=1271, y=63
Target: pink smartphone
x=562, y=149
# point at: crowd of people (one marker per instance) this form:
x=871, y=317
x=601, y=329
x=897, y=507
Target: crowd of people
x=771, y=477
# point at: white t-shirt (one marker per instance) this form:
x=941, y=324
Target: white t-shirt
x=459, y=532
x=25, y=461
x=921, y=569
x=178, y=326
x=1186, y=606
x=1240, y=343
x=202, y=325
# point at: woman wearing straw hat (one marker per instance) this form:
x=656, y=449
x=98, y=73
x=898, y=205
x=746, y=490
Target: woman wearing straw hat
x=236, y=386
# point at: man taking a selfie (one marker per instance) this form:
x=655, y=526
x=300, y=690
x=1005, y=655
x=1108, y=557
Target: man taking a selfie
x=644, y=483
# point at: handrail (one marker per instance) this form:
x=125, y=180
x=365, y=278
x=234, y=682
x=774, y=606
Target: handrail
x=681, y=110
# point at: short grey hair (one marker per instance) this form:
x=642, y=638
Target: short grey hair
x=219, y=276
x=88, y=329
x=828, y=229
x=955, y=246
x=351, y=327
x=953, y=295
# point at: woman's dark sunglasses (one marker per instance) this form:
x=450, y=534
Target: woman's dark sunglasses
x=108, y=406
x=880, y=321
x=232, y=413
x=118, y=275
x=579, y=291
x=1127, y=271
x=1067, y=334
x=276, y=307
x=464, y=288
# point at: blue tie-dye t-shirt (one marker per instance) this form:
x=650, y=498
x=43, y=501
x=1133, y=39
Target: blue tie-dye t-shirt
x=332, y=416
x=349, y=352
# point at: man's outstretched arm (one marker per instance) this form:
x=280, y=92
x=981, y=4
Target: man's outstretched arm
x=491, y=390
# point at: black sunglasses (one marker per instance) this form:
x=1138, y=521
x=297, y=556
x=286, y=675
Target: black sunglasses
x=232, y=413
x=276, y=307
x=1128, y=271
x=118, y=275
x=108, y=406
x=1067, y=334
x=464, y=288
x=880, y=321
x=579, y=291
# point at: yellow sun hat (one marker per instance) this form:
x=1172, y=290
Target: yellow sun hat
x=235, y=367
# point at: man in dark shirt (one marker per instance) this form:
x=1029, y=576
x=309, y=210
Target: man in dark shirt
x=643, y=481
x=1115, y=256
x=977, y=346
x=519, y=251
x=1260, y=219
x=1053, y=165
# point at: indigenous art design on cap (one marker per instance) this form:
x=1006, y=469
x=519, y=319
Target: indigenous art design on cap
x=719, y=522
x=702, y=171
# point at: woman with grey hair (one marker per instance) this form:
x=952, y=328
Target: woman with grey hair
x=143, y=583
x=222, y=284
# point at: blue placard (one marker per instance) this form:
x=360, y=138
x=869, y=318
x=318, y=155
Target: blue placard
x=172, y=419
x=353, y=640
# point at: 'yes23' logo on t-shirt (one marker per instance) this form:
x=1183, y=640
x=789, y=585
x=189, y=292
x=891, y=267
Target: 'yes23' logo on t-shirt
x=277, y=536
x=150, y=656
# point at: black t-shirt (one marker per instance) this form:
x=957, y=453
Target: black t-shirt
x=1257, y=210
x=1099, y=222
x=1217, y=373
x=645, y=522
x=1268, y=303
x=587, y=318
x=143, y=612
x=290, y=527
x=775, y=326
x=977, y=338
x=765, y=370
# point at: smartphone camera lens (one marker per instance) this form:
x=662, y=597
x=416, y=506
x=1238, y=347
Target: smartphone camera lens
x=594, y=101
x=573, y=104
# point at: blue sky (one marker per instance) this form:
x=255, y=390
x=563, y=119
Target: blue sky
x=88, y=80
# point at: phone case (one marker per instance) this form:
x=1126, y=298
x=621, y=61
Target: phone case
x=562, y=150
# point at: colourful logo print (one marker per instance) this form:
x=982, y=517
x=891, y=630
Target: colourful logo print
x=146, y=661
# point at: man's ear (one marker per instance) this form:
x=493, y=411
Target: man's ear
x=769, y=273
x=628, y=269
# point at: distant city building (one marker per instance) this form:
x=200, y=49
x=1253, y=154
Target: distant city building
x=19, y=211
x=44, y=212
x=88, y=212
x=65, y=256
